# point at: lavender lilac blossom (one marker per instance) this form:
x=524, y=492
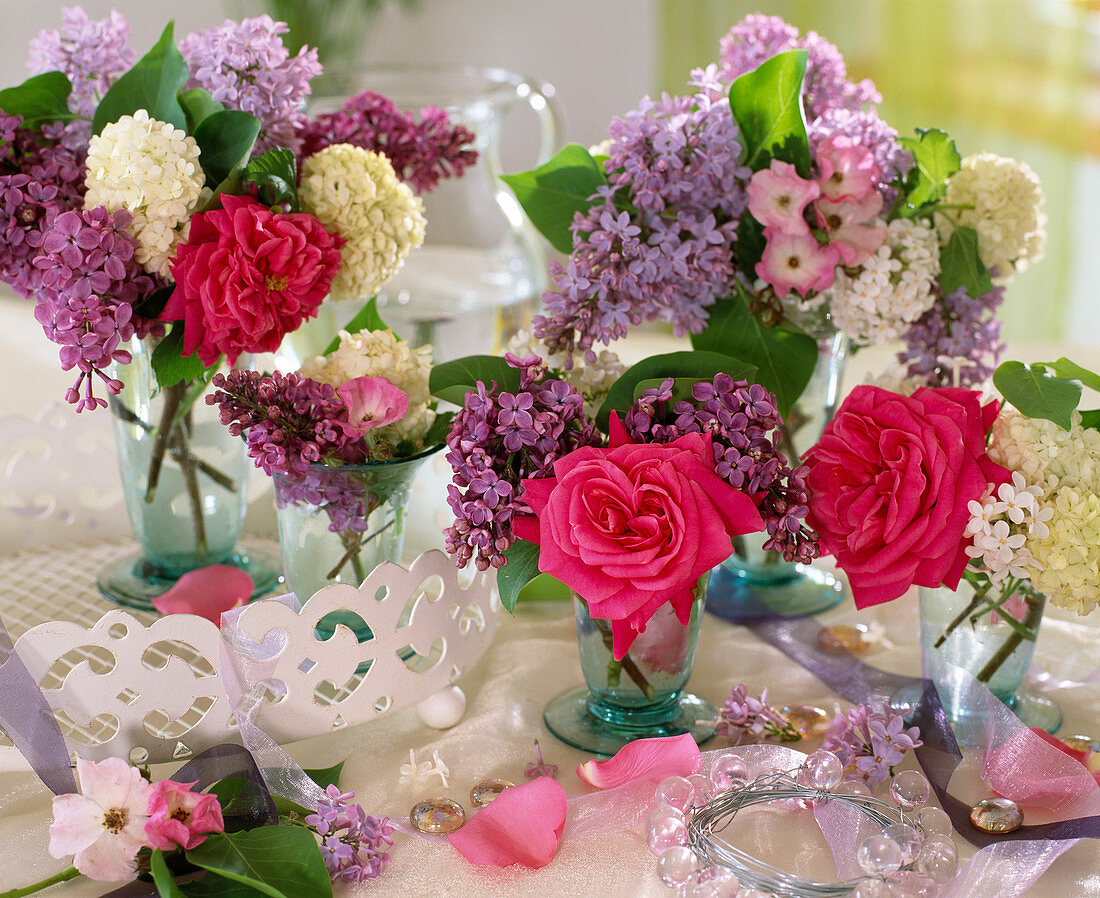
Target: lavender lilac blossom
x=744, y=718
x=870, y=742
x=354, y=844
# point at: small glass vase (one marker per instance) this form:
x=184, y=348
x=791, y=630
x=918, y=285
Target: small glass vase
x=991, y=635
x=754, y=582
x=642, y=695
x=184, y=478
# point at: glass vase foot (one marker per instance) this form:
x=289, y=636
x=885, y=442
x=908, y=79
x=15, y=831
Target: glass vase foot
x=1036, y=710
x=134, y=581
x=569, y=718
x=736, y=594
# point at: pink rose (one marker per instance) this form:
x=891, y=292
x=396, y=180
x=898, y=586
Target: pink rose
x=890, y=480
x=792, y=262
x=180, y=817
x=848, y=170
x=778, y=195
x=855, y=230
x=633, y=526
x=248, y=276
x=372, y=402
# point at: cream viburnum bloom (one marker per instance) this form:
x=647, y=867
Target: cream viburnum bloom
x=151, y=169
x=356, y=193
x=382, y=353
x=999, y=198
x=592, y=379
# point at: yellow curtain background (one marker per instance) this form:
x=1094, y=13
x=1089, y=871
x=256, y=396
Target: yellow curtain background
x=1015, y=77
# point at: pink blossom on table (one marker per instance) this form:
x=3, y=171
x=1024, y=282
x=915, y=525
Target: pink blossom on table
x=644, y=759
x=207, y=592
x=539, y=767
x=104, y=825
x=777, y=197
x=796, y=262
x=523, y=825
x=372, y=402
x=179, y=817
x=855, y=230
x=848, y=171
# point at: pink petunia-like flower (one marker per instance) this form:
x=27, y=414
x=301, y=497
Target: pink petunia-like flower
x=180, y=817
x=373, y=402
x=248, y=276
x=848, y=170
x=792, y=262
x=854, y=228
x=633, y=526
x=104, y=826
x=778, y=195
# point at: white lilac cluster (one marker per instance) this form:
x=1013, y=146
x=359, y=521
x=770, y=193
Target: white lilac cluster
x=592, y=378
x=1002, y=525
x=357, y=193
x=150, y=169
x=1000, y=198
x=382, y=353
x=879, y=300
x=1063, y=467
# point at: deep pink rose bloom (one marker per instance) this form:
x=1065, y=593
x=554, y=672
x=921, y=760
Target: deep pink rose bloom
x=890, y=480
x=248, y=276
x=178, y=816
x=373, y=402
x=633, y=526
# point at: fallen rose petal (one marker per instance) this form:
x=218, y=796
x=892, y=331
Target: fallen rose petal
x=207, y=592
x=652, y=759
x=523, y=825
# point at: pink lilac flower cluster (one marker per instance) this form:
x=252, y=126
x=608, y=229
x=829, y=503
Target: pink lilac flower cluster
x=354, y=844
x=422, y=152
x=745, y=428
x=658, y=243
x=498, y=439
x=744, y=718
x=870, y=742
x=958, y=334
x=245, y=66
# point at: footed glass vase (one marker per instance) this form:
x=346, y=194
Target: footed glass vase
x=990, y=634
x=753, y=582
x=184, y=477
x=640, y=696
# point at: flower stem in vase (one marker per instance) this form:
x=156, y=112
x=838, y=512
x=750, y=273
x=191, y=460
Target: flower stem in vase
x=173, y=396
x=189, y=468
x=354, y=542
x=1026, y=630
x=627, y=663
x=980, y=590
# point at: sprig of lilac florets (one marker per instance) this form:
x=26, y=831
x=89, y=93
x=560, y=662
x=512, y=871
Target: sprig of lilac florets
x=354, y=844
x=745, y=718
x=870, y=742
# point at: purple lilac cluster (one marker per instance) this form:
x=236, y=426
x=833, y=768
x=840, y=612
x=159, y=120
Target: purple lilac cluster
x=745, y=428
x=870, y=742
x=422, y=153
x=958, y=327
x=744, y=718
x=245, y=66
x=354, y=844
x=658, y=242
x=497, y=440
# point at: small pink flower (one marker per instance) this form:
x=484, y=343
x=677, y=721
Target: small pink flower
x=778, y=196
x=180, y=817
x=373, y=402
x=848, y=170
x=855, y=229
x=792, y=262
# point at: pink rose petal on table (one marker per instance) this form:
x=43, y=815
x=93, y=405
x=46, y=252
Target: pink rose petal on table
x=652, y=759
x=207, y=592
x=523, y=825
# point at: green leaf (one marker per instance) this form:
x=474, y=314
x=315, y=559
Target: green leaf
x=437, y=433
x=154, y=303
x=276, y=174
x=280, y=861
x=168, y=365
x=681, y=387
x=555, y=191
x=162, y=876
x=213, y=886
x=750, y=243
x=1091, y=418
x=326, y=776
x=1067, y=368
x=784, y=359
x=696, y=365
x=153, y=85
x=41, y=100
x=935, y=159
x=767, y=105
x=452, y=380
x=197, y=105
x=1036, y=393
x=961, y=266
x=545, y=588
x=225, y=142
x=522, y=567
x=366, y=319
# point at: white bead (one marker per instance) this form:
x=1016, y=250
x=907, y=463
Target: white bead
x=443, y=709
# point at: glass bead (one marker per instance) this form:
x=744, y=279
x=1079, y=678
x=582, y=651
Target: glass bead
x=871, y=888
x=854, y=638
x=710, y=882
x=879, y=855
x=939, y=859
x=933, y=821
x=438, y=816
x=821, y=770
x=675, y=791
x=909, y=789
x=1082, y=743
x=704, y=789
x=729, y=772
x=811, y=722
x=908, y=839
x=665, y=829
x=853, y=787
x=911, y=884
x=676, y=864
x=996, y=815
x=487, y=790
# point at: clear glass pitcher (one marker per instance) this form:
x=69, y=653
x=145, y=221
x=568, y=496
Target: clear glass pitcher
x=482, y=267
